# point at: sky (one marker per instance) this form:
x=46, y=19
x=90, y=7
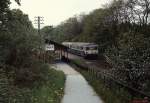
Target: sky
x=56, y=11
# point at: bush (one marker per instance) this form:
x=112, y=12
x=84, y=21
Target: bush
x=47, y=89
x=131, y=60
x=52, y=90
x=4, y=87
x=109, y=95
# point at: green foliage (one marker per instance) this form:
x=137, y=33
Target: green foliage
x=47, y=32
x=66, y=31
x=131, y=61
x=18, y=45
x=4, y=4
x=84, y=28
x=4, y=11
x=19, y=36
x=20, y=67
x=51, y=91
x=4, y=87
x=109, y=95
x=24, y=78
x=121, y=29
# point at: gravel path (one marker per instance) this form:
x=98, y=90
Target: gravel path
x=77, y=89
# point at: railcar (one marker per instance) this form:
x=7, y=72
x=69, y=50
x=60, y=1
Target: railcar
x=87, y=50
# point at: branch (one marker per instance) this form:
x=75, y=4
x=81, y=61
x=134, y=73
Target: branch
x=18, y=2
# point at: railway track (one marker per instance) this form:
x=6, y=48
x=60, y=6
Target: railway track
x=101, y=68
x=99, y=64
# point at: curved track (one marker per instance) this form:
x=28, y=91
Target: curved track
x=99, y=63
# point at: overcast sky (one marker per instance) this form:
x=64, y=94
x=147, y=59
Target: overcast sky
x=56, y=11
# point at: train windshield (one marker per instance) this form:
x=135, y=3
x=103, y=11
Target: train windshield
x=92, y=48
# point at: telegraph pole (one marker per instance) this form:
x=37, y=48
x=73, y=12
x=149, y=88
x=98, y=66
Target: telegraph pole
x=39, y=24
x=39, y=20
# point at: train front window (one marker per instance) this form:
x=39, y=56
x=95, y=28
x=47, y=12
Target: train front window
x=93, y=48
x=87, y=48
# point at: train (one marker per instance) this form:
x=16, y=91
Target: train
x=86, y=50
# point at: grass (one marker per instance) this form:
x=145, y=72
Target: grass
x=109, y=95
x=49, y=89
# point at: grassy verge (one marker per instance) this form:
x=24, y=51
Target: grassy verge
x=49, y=89
x=109, y=95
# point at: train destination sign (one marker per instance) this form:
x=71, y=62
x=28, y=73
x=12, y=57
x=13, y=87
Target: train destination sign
x=49, y=47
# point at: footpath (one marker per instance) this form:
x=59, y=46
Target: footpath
x=77, y=89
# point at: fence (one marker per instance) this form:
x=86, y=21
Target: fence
x=109, y=80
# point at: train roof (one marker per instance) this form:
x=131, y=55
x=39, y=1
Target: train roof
x=80, y=43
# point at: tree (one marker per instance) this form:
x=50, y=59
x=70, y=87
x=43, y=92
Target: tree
x=21, y=32
x=19, y=43
x=47, y=32
x=66, y=31
x=122, y=31
x=4, y=10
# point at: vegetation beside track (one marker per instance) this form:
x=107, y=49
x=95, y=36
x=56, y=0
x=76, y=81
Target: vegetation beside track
x=24, y=75
x=108, y=94
x=48, y=90
x=52, y=90
x=121, y=28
